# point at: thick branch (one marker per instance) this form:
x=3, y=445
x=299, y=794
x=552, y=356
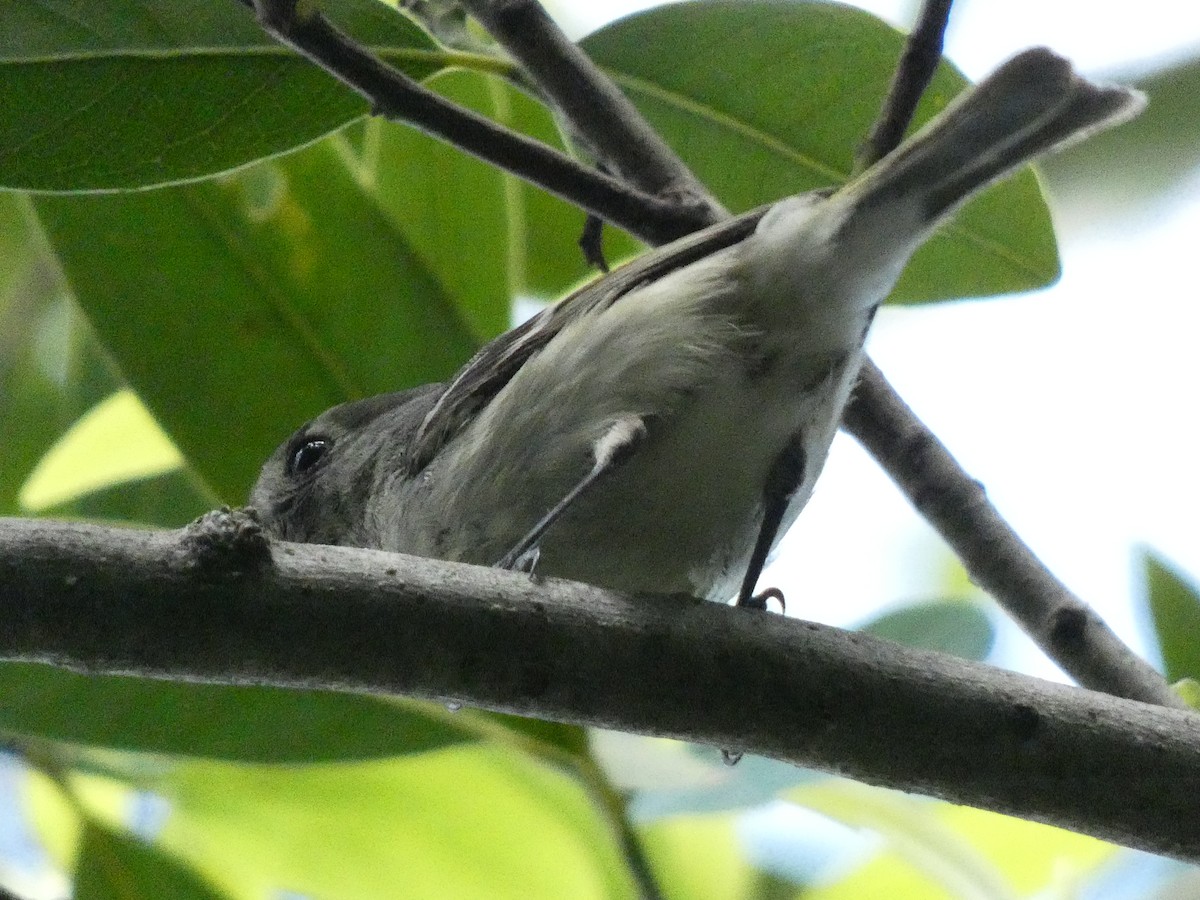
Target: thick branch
x=216, y=602
x=1069, y=630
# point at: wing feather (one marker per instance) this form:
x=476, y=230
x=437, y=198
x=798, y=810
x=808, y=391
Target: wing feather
x=496, y=362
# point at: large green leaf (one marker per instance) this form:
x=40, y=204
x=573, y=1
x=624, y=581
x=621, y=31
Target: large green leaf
x=467, y=821
x=764, y=99
x=246, y=724
x=127, y=94
x=1175, y=607
x=238, y=309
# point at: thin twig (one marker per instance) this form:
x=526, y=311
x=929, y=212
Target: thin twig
x=918, y=62
x=624, y=141
x=216, y=602
x=396, y=96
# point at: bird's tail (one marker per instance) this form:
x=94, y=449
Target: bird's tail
x=1033, y=103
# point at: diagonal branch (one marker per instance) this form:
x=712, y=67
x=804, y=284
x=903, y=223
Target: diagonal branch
x=217, y=602
x=590, y=100
x=1069, y=630
x=394, y=95
x=918, y=62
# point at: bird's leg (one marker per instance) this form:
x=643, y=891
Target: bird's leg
x=783, y=480
x=614, y=447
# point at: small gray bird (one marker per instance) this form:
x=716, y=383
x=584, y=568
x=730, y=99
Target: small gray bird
x=659, y=429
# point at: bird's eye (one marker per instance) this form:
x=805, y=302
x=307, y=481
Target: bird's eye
x=307, y=455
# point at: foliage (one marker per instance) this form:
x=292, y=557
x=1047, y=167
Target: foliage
x=200, y=229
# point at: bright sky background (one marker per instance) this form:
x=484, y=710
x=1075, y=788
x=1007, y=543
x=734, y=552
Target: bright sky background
x=1076, y=406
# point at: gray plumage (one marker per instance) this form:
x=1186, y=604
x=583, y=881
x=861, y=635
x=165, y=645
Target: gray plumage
x=730, y=355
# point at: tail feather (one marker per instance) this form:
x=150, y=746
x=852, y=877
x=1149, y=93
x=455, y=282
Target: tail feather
x=1033, y=103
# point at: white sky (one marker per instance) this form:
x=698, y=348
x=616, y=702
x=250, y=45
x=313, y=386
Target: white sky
x=1076, y=406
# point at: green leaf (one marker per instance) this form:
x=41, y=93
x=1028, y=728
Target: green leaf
x=765, y=99
x=467, y=821
x=127, y=94
x=115, y=464
x=171, y=500
x=115, y=441
x=238, y=309
x=51, y=369
x=248, y=724
x=519, y=239
x=1175, y=608
x=700, y=858
x=117, y=866
x=956, y=627
x=937, y=850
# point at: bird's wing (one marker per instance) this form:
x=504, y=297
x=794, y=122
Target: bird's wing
x=494, y=365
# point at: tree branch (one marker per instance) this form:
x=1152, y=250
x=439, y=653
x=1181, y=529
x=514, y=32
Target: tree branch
x=1067, y=628
x=217, y=602
x=918, y=62
x=394, y=95
x=594, y=106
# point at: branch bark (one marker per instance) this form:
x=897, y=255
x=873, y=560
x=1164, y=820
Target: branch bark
x=394, y=95
x=918, y=63
x=593, y=105
x=217, y=602
x=1069, y=630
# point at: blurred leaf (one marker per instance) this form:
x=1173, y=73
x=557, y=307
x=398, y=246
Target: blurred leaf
x=18, y=250
x=1145, y=160
x=764, y=99
x=239, y=309
x=50, y=367
x=753, y=781
x=249, y=724
x=937, y=850
x=127, y=94
x=699, y=858
x=1189, y=690
x=52, y=817
x=1175, y=609
x=665, y=778
x=116, y=866
x=117, y=440
x=470, y=821
x=957, y=627
x=570, y=739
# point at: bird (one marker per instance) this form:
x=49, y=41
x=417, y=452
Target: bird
x=659, y=429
